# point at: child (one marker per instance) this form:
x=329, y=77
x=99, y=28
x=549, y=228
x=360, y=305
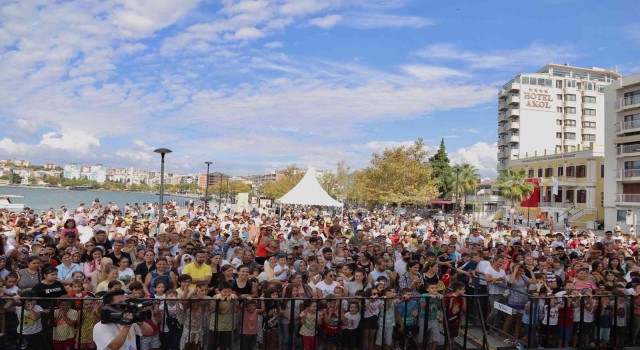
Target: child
x=331, y=322
x=90, y=317
x=622, y=313
x=456, y=305
x=171, y=329
x=79, y=276
x=8, y=290
x=605, y=321
x=221, y=322
x=291, y=291
x=281, y=270
x=308, y=330
x=65, y=320
x=565, y=318
x=29, y=320
x=271, y=319
x=434, y=314
x=407, y=313
x=583, y=329
x=137, y=290
x=372, y=307
x=195, y=317
x=350, y=323
x=184, y=281
x=549, y=323
x=77, y=292
x=249, y=334
x=148, y=342
x=386, y=319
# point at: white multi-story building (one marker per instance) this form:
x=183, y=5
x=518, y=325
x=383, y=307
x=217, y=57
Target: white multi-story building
x=559, y=107
x=622, y=152
x=71, y=171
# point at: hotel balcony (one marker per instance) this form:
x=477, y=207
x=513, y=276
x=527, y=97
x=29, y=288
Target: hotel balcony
x=503, y=94
x=513, y=99
x=628, y=174
x=513, y=138
x=502, y=105
x=514, y=125
x=502, y=128
x=630, y=126
x=513, y=87
x=628, y=102
x=502, y=154
x=628, y=198
x=628, y=150
x=513, y=113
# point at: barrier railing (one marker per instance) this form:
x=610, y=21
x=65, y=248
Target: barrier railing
x=416, y=322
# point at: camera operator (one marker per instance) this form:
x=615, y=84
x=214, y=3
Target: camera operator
x=112, y=336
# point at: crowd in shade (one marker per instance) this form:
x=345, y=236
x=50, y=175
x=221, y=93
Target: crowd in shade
x=305, y=278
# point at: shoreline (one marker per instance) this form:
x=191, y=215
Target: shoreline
x=100, y=190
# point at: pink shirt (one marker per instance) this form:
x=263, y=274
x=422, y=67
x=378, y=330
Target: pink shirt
x=250, y=322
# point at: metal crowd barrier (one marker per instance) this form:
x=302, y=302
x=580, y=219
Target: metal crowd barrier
x=216, y=324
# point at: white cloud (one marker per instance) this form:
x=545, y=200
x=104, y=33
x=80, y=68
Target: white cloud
x=136, y=18
x=248, y=33
x=328, y=21
x=432, y=73
x=536, y=54
x=377, y=146
x=466, y=130
x=379, y=20
x=274, y=45
x=481, y=155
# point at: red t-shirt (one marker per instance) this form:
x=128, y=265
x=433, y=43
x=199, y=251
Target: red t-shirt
x=261, y=251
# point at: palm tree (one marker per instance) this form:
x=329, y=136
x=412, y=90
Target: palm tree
x=467, y=177
x=513, y=186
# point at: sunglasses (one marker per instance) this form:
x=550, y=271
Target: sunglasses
x=187, y=259
x=44, y=254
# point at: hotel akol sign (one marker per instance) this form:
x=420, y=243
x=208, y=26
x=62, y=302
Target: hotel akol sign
x=537, y=98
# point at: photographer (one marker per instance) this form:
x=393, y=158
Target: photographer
x=113, y=336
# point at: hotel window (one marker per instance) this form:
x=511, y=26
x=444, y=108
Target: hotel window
x=601, y=89
x=559, y=109
x=602, y=171
x=589, y=137
x=632, y=97
x=582, y=196
x=559, y=96
x=571, y=83
x=591, y=112
x=560, y=171
x=530, y=173
x=539, y=172
x=558, y=135
x=548, y=172
x=589, y=99
x=559, y=84
x=591, y=125
x=571, y=171
x=569, y=135
x=589, y=86
x=581, y=171
x=570, y=110
x=569, y=97
x=569, y=122
x=558, y=121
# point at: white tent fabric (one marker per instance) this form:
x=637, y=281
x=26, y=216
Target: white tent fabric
x=309, y=192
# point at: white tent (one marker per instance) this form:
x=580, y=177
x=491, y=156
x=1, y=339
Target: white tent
x=309, y=192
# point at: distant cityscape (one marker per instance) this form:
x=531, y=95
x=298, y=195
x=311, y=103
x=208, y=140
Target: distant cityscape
x=24, y=173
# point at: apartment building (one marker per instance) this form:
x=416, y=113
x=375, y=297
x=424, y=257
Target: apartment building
x=622, y=153
x=558, y=108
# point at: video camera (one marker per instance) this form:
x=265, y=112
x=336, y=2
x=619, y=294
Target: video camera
x=113, y=313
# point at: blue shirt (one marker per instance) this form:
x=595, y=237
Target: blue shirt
x=406, y=310
x=65, y=273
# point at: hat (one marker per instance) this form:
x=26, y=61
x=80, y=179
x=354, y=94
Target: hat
x=48, y=269
x=141, y=247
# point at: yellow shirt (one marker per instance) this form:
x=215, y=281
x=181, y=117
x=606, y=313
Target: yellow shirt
x=197, y=273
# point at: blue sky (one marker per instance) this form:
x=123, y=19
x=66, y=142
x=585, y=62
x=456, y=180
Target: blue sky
x=257, y=85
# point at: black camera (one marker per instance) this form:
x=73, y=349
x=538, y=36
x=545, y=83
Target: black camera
x=113, y=313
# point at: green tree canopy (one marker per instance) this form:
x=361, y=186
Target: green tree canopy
x=232, y=187
x=467, y=180
x=513, y=186
x=442, y=171
x=399, y=175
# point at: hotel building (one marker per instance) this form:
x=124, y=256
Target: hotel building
x=558, y=108
x=622, y=153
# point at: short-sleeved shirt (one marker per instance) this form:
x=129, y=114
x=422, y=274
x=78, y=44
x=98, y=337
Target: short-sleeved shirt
x=406, y=310
x=103, y=334
x=197, y=272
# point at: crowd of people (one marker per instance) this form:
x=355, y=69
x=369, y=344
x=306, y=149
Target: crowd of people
x=303, y=278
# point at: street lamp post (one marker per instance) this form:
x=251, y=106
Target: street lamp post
x=206, y=187
x=220, y=194
x=162, y=152
x=457, y=169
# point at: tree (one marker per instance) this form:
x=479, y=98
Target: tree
x=513, y=186
x=442, y=171
x=467, y=180
x=52, y=180
x=399, y=175
x=276, y=189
